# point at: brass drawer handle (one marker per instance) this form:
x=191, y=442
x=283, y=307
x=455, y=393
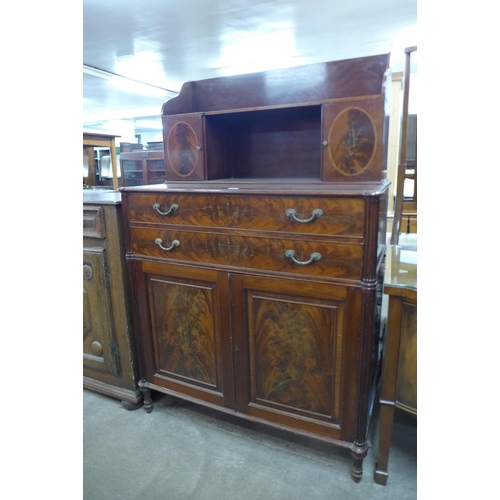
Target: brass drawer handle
x=174, y=244
x=172, y=208
x=314, y=256
x=317, y=212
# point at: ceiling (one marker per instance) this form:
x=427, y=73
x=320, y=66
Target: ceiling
x=164, y=43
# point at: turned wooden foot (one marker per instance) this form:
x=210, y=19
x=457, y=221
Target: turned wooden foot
x=358, y=453
x=148, y=400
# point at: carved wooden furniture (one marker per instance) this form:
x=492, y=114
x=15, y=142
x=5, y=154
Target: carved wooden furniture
x=109, y=355
x=399, y=374
x=96, y=139
x=142, y=167
x=255, y=265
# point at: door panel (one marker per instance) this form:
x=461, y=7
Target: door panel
x=189, y=335
x=184, y=330
x=294, y=351
x=183, y=139
x=98, y=333
x=353, y=139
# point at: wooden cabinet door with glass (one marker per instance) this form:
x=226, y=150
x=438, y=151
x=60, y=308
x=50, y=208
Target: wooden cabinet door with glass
x=142, y=167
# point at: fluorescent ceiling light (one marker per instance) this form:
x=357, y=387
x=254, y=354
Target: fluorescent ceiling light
x=149, y=124
x=127, y=83
x=270, y=47
x=120, y=114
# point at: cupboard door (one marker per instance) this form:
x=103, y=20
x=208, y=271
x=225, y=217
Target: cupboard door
x=289, y=352
x=98, y=335
x=187, y=342
x=183, y=140
x=353, y=140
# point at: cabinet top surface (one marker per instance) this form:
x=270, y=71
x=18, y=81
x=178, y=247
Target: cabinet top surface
x=400, y=270
x=102, y=196
x=296, y=187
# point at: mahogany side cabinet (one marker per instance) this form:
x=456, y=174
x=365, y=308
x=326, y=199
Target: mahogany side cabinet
x=399, y=372
x=109, y=354
x=256, y=266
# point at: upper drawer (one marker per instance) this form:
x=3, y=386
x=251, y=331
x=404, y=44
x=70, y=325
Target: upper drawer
x=311, y=215
x=93, y=222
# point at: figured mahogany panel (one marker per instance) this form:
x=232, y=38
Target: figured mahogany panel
x=353, y=140
x=183, y=329
x=293, y=337
x=292, y=354
x=184, y=333
x=340, y=216
x=183, y=144
x=337, y=259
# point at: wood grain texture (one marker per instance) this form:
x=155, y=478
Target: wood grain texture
x=98, y=328
x=183, y=144
x=341, y=216
x=363, y=76
x=293, y=354
x=184, y=330
x=109, y=352
x=353, y=131
x=337, y=259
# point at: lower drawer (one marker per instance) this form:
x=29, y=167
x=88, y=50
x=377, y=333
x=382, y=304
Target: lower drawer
x=315, y=258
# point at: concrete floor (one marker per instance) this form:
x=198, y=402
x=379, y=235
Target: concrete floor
x=182, y=451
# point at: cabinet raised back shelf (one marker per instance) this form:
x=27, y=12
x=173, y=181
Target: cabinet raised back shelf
x=256, y=267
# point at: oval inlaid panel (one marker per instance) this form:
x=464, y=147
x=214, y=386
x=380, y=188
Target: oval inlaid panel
x=181, y=148
x=351, y=141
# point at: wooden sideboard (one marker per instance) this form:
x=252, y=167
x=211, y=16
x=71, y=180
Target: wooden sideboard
x=255, y=267
x=109, y=354
x=399, y=374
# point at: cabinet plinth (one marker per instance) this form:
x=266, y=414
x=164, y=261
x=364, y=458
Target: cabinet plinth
x=256, y=266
